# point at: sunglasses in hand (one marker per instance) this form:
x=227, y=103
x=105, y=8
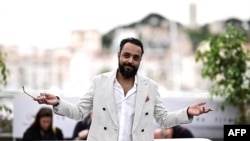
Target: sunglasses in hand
x=29, y=94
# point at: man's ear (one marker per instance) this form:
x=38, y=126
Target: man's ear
x=118, y=55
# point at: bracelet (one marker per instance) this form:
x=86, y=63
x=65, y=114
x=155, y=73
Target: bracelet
x=58, y=101
x=189, y=116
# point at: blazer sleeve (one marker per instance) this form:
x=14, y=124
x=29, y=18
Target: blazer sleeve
x=165, y=118
x=81, y=109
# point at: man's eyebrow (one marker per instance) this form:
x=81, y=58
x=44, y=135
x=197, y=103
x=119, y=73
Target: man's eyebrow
x=131, y=54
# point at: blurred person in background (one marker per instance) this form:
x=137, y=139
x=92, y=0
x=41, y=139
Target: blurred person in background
x=124, y=103
x=82, y=127
x=177, y=131
x=42, y=128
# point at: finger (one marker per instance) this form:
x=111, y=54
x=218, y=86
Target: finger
x=202, y=108
x=43, y=95
x=201, y=103
x=46, y=95
x=40, y=99
x=208, y=110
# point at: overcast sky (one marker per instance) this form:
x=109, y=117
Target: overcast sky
x=50, y=21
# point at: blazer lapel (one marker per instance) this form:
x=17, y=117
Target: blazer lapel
x=140, y=99
x=110, y=99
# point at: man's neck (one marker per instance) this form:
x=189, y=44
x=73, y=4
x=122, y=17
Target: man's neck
x=126, y=83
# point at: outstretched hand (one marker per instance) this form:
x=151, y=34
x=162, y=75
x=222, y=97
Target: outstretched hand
x=46, y=98
x=198, y=109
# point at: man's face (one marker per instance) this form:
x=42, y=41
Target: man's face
x=129, y=60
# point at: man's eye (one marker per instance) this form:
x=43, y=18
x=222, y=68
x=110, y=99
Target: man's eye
x=136, y=58
x=126, y=55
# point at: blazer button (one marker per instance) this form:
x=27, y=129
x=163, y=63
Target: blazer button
x=146, y=113
x=105, y=128
x=142, y=130
x=103, y=109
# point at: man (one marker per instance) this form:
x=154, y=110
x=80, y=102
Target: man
x=123, y=102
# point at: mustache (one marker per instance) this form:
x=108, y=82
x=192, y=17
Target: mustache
x=130, y=65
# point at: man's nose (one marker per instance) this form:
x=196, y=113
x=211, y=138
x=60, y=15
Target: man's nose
x=131, y=59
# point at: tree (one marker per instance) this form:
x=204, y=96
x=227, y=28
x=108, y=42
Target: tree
x=226, y=63
x=3, y=69
x=4, y=122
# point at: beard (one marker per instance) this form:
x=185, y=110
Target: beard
x=127, y=73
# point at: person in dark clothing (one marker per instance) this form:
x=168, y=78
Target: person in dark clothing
x=42, y=128
x=82, y=128
x=173, y=132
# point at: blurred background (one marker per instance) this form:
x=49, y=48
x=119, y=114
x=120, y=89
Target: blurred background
x=58, y=46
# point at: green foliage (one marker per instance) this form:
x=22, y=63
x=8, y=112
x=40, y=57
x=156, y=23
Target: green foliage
x=5, y=112
x=225, y=62
x=3, y=70
x=5, y=119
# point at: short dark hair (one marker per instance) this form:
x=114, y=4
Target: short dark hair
x=133, y=41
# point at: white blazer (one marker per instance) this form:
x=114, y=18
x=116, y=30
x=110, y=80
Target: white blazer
x=100, y=99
